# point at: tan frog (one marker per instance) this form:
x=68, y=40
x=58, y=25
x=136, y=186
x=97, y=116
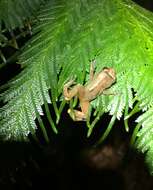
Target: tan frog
x=97, y=85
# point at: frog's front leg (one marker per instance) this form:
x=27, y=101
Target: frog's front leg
x=92, y=69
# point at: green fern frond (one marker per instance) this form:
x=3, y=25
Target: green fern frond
x=2, y=39
x=14, y=13
x=117, y=33
x=144, y=134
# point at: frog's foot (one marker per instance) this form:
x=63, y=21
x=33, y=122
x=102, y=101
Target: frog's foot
x=77, y=115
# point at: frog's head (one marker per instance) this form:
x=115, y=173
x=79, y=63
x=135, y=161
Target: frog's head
x=110, y=72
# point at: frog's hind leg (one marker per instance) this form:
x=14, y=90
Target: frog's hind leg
x=85, y=107
x=77, y=115
x=82, y=115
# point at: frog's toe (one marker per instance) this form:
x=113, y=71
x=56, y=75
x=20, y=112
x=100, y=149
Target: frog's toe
x=67, y=98
x=69, y=83
x=71, y=113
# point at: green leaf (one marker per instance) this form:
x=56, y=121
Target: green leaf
x=14, y=13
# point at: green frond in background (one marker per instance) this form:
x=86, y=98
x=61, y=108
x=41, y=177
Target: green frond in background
x=118, y=34
x=14, y=13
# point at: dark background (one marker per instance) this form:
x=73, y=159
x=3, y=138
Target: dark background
x=148, y=4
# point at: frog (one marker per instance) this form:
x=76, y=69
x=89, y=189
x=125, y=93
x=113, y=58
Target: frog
x=97, y=85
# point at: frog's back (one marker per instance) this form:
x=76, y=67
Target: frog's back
x=95, y=86
x=97, y=82
x=100, y=82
